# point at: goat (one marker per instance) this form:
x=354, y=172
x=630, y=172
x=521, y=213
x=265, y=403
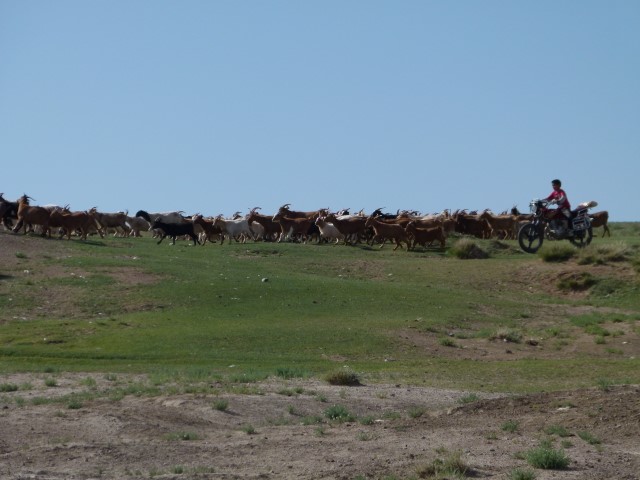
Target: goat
x=600, y=219
x=71, y=222
x=292, y=227
x=8, y=212
x=233, y=229
x=391, y=231
x=422, y=236
x=352, y=227
x=504, y=224
x=28, y=215
x=328, y=230
x=105, y=221
x=270, y=228
x=174, y=230
x=137, y=225
x=209, y=230
x=468, y=224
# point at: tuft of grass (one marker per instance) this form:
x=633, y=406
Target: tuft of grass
x=547, y=458
x=8, y=387
x=446, y=466
x=507, y=335
x=221, y=404
x=522, y=474
x=249, y=429
x=469, y=398
x=605, y=253
x=51, y=382
x=343, y=377
x=510, y=426
x=339, y=413
x=447, y=342
x=557, y=430
x=556, y=252
x=416, y=412
x=576, y=281
x=605, y=384
x=589, y=438
x=21, y=255
x=467, y=249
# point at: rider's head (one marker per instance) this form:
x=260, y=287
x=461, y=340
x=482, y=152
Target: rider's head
x=556, y=183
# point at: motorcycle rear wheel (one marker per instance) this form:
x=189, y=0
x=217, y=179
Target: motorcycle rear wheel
x=583, y=238
x=530, y=238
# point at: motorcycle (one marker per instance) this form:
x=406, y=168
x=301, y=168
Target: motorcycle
x=549, y=223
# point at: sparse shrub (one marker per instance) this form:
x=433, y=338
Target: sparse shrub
x=507, y=335
x=249, y=429
x=221, y=404
x=522, y=474
x=51, y=382
x=447, y=342
x=74, y=404
x=557, y=252
x=416, y=412
x=576, y=281
x=589, y=438
x=343, y=377
x=547, y=458
x=510, y=426
x=469, y=398
x=467, y=249
x=287, y=373
x=311, y=420
x=8, y=387
x=557, y=430
x=339, y=413
x=21, y=255
x=444, y=467
x=604, y=253
x=605, y=384
x=367, y=420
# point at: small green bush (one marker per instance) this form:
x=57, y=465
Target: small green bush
x=221, y=404
x=547, y=458
x=589, y=438
x=510, y=426
x=522, y=474
x=339, y=413
x=557, y=252
x=604, y=254
x=8, y=387
x=470, y=398
x=451, y=465
x=467, y=249
x=343, y=377
x=557, y=430
x=507, y=335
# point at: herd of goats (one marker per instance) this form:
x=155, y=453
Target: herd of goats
x=404, y=228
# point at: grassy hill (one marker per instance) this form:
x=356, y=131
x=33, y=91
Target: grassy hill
x=240, y=312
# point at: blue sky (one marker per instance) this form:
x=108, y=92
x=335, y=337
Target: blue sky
x=221, y=106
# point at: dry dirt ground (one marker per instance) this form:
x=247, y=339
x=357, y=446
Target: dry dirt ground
x=280, y=428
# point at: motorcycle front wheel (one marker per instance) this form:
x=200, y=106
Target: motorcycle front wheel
x=530, y=238
x=583, y=238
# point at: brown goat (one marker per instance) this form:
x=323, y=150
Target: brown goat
x=388, y=231
x=600, y=219
x=352, y=228
x=28, y=215
x=292, y=227
x=424, y=236
x=71, y=222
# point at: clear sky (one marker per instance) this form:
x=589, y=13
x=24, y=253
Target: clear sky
x=220, y=106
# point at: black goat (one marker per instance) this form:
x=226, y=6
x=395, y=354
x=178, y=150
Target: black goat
x=8, y=211
x=174, y=230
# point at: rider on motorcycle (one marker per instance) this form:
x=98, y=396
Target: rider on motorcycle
x=559, y=197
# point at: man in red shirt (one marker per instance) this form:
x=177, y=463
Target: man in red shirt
x=559, y=197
